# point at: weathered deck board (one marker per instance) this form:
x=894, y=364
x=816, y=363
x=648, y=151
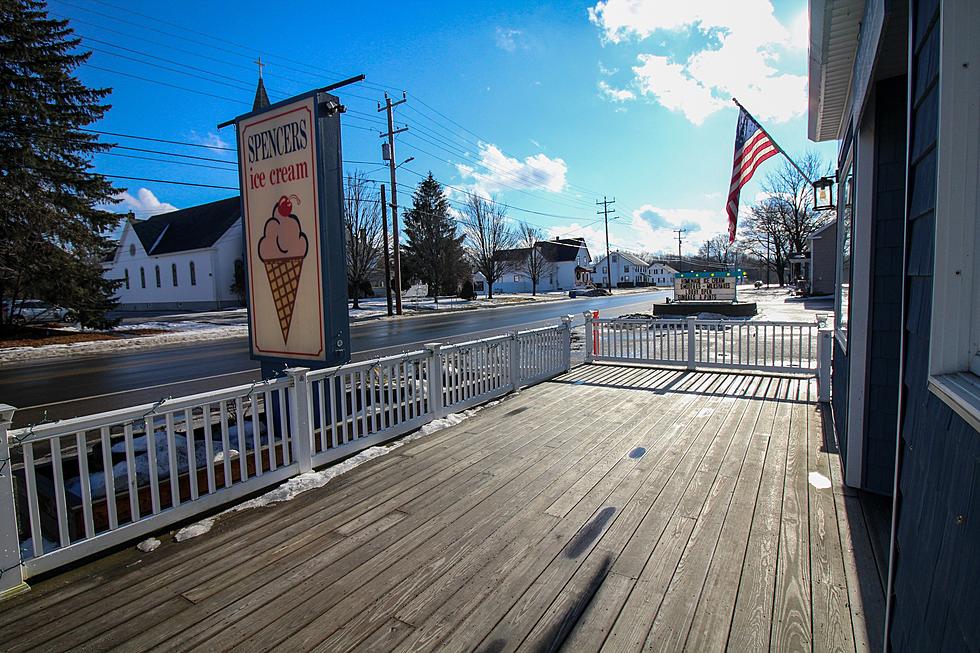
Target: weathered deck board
x=615, y=508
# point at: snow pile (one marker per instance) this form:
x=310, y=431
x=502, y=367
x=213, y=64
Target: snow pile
x=148, y=545
x=15, y=354
x=317, y=479
x=195, y=529
x=27, y=547
x=141, y=458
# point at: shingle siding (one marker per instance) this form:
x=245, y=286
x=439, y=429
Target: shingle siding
x=888, y=215
x=936, y=591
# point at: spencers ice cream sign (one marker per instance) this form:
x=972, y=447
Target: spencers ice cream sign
x=277, y=157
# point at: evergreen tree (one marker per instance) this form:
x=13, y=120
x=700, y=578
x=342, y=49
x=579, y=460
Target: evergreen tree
x=52, y=233
x=433, y=251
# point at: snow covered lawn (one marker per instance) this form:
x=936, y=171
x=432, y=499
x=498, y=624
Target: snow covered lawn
x=185, y=332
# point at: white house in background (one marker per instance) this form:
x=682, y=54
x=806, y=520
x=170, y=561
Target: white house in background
x=567, y=266
x=626, y=269
x=661, y=274
x=182, y=260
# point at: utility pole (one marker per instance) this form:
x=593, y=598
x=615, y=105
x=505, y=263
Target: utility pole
x=384, y=226
x=605, y=216
x=680, y=259
x=390, y=135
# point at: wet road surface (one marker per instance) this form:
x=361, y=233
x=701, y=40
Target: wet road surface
x=62, y=388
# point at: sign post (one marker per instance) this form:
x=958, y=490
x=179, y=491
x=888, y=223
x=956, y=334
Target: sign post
x=291, y=176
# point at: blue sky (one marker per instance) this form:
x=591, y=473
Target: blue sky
x=545, y=107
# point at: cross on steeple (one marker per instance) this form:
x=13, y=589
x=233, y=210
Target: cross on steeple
x=261, y=66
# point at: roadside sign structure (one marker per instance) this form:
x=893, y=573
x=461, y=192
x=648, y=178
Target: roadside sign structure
x=291, y=176
x=707, y=286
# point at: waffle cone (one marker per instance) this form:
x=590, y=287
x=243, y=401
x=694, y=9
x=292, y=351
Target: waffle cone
x=283, y=276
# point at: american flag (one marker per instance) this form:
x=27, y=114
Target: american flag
x=752, y=147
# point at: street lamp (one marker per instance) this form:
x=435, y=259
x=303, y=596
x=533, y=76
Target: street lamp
x=823, y=194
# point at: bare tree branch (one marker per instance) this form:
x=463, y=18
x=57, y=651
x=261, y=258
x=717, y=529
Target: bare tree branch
x=532, y=261
x=362, y=225
x=487, y=234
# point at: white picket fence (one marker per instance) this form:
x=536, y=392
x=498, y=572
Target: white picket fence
x=782, y=347
x=75, y=487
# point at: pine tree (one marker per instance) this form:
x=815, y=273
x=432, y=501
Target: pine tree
x=433, y=251
x=52, y=232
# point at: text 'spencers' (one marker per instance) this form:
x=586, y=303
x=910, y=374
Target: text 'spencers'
x=282, y=232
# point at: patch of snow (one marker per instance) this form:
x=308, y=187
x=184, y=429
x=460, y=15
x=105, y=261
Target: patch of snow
x=141, y=459
x=195, y=530
x=148, y=545
x=819, y=481
x=27, y=547
x=317, y=479
x=15, y=354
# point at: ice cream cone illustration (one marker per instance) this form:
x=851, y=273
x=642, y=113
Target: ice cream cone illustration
x=283, y=248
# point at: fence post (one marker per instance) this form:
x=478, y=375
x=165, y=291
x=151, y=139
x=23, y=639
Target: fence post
x=301, y=417
x=515, y=361
x=566, y=320
x=824, y=347
x=436, y=403
x=11, y=573
x=587, y=345
x=692, y=326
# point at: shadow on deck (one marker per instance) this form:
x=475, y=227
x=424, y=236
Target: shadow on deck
x=614, y=507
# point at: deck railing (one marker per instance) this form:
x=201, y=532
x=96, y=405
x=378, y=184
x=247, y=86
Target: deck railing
x=784, y=347
x=74, y=487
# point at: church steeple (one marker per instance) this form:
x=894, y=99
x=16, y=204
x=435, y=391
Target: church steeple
x=261, y=100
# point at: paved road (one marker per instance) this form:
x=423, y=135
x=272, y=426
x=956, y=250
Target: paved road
x=83, y=385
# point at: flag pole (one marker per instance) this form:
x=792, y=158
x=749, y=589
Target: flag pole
x=773, y=140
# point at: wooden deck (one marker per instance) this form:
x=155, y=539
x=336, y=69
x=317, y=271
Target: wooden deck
x=616, y=508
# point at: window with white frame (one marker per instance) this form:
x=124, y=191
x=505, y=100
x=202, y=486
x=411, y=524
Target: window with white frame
x=844, y=238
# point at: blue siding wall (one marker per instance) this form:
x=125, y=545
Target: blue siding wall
x=937, y=562
x=885, y=319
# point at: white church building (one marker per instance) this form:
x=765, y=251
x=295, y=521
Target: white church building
x=181, y=260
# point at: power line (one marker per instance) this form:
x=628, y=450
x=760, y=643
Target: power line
x=160, y=140
x=512, y=174
x=169, y=181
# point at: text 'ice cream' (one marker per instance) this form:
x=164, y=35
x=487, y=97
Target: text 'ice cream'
x=282, y=248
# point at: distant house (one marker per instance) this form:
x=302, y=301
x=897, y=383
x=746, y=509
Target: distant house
x=823, y=259
x=626, y=269
x=661, y=274
x=182, y=260
x=567, y=266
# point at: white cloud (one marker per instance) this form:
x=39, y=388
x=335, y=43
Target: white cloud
x=497, y=172
x=615, y=94
x=649, y=228
x=747, y=46
x=669, y=84
x=594, y=238
x=212, y=140
x=607, y=72
x=510, y=39
x=143, y=204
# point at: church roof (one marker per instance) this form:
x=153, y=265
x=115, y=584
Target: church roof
x=561, y=249
x=197, y=227
x=261, y=100
x=556, y=251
